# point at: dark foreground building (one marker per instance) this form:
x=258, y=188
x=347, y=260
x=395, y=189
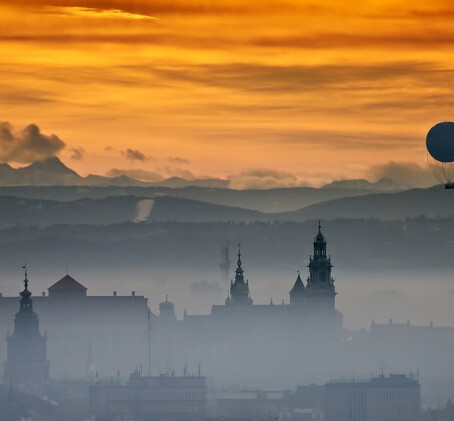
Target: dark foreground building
x=161, y=398
x=393, y=398
x=26, y=347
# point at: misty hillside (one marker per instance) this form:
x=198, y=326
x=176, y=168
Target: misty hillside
x=273, y=200
x=432, y=202
x=381, y=185
x=29, y=212
x=278, y=248
x=184, y=210
x=116, y=209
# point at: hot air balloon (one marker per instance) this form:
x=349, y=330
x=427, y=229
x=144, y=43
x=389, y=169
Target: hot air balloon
x=440, y=152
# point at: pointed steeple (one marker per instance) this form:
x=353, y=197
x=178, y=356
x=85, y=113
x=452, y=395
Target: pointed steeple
x=298, y=291
x=25, y=302
x=319, y=243
x=239, y=288
x=239, y=272
x=25, y=277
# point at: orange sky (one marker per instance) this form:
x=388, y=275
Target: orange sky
x=307, y=90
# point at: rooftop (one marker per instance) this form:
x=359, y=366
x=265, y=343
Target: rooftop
x=67, y=283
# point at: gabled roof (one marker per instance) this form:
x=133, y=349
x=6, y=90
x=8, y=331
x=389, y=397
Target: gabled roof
x=67, y=283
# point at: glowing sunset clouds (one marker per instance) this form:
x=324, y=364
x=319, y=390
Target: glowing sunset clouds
x=315, y=90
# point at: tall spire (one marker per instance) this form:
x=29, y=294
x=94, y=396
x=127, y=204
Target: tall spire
x=25, y=302
x=239, y=271
x=239, y=289
x=25, y=277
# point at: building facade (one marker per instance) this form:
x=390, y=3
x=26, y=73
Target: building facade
x=393, y=398
x=146, y=398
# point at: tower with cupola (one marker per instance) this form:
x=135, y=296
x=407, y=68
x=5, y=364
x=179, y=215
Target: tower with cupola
x=320, y=283
x=26, y=347
x=239, y=289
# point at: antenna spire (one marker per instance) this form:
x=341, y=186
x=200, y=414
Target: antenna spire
x=239, y=255
x=25, y=277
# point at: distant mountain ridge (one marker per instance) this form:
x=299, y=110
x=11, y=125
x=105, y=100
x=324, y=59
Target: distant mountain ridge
x=432, y=202
x=38, y=173
x=53, y=172
x=268, y=201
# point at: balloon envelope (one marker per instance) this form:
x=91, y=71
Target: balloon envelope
x=440, y=142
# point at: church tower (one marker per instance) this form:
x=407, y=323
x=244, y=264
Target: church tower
x=239, y=289
x=26, y=347
x=320, y=284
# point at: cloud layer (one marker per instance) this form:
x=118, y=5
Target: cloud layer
x=257, y=92
x=27, y=145
x=406, y=174
x=137, y=174
x=263, y=179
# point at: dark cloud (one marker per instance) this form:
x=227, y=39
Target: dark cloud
x=266, y=78
x=263, y=179
x=177, y=160
x=142, y=175
x=406, y=174
x=167, y=7
x=27, y=145
x=135, y=155
x=77, y=153
x=322, y=41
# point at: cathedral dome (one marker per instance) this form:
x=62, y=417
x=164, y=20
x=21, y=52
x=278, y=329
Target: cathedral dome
x=167, y=309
